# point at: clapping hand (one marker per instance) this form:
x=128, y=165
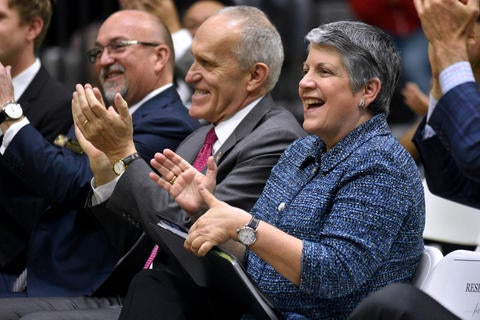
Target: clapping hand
x=182, y=180
x=218, y=225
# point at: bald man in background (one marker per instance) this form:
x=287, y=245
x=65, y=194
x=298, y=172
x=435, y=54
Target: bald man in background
x=182, y=31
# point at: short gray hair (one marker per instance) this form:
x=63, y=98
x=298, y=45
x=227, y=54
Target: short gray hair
x=260, y=41
x=367, y=53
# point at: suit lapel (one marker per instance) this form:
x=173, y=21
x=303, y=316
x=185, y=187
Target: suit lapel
x=248, y=124
x=32, y=91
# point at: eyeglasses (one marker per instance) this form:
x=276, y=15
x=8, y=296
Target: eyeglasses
x=116, y=46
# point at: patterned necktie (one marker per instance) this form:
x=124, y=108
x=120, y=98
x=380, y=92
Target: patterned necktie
x=206, y=151
x=199, y=164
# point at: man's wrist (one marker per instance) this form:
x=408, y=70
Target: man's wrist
x=121, y=153
x=5, y=125
x=104, y=175
x=444, y=55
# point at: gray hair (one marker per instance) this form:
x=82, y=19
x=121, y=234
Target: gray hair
x=260, y=41
x=367, y=53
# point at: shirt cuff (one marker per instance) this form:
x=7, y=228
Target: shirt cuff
x=432, y=103
x=11, y=133
x=428, y=131
x=103, y=192
x=182, y=40
x=454, y=75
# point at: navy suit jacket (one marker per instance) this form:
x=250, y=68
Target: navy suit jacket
x=69, y=253
x=47, y=104
x=452, y=157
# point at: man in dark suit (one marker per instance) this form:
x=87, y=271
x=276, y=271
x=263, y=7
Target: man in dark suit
x=69, y=253
x=448, y=139
x=449, y=136
x=23, y=28
x=232, y=92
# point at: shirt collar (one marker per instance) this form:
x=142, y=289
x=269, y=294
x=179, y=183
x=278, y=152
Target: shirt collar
x=225, y=128
x=134, y=107
x=22, y=80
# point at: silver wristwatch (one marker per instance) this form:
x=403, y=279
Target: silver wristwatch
x=248, y=234
x=11, y=111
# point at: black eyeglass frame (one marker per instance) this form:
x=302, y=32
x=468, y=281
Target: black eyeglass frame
x=115, y=47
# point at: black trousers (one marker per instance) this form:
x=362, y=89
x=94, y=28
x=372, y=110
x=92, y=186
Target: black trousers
x=400, y=301
x=164, y=294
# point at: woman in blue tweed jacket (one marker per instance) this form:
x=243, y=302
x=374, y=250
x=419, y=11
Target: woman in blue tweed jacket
x=342, y=213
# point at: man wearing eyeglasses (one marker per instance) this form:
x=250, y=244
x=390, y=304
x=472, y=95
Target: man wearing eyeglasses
x=69, y=253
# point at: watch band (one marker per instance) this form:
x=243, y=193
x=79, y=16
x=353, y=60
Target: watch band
x=129, y=159
x=3, y=116
x=254, y=222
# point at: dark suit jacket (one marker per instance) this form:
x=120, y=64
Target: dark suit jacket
x=452, y=157
x=244, y=163
x=47, y=104
x=69, y=254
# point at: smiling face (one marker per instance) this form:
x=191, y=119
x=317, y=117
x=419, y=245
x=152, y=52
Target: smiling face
x=219, y=80
x=331, y=109
x=133, y=70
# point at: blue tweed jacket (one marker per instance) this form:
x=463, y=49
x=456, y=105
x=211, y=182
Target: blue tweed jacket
x=358, y=208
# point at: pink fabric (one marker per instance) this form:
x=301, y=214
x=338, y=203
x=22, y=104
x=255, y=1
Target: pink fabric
x=199, y=164
x=206, y=151
x=150, y=259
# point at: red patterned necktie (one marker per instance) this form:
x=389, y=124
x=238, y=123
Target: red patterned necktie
x=199, y=164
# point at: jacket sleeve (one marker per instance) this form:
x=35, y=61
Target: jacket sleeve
x=57, y=174
x=443, y=173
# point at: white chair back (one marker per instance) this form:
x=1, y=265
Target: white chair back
x=455, y=283
x=430, y=257
x=450, y=222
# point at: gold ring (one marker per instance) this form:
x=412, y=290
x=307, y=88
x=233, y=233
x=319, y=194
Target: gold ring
x=85, y=123
x=172, y=181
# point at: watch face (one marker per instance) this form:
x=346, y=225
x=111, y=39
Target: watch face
x=118, y=167
x=247, y=236
x=13, y=110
